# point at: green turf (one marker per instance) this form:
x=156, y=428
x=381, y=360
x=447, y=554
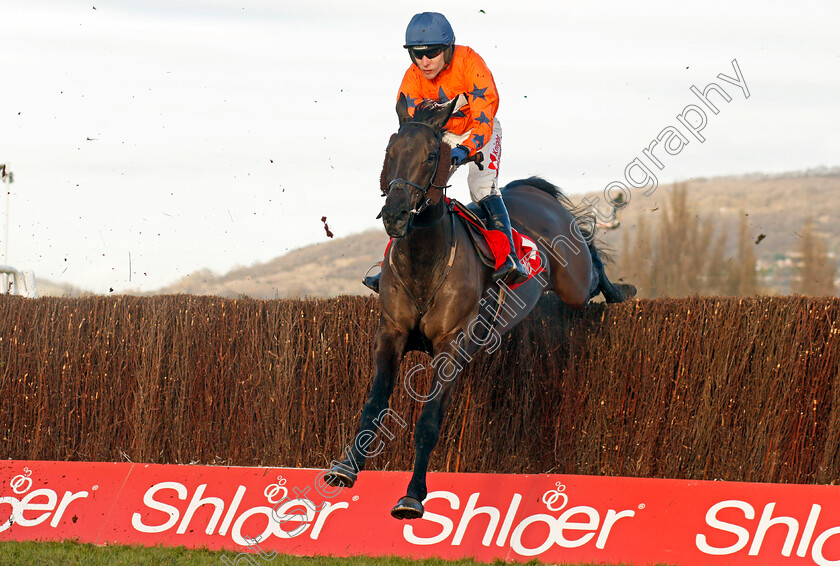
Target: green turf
x=75, y=554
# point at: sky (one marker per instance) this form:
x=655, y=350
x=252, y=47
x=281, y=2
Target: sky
x=151, y=139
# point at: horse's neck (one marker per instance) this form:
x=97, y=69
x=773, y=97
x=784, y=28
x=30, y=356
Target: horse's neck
x=426, y=245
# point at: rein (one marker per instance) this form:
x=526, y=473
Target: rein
x=404, y=184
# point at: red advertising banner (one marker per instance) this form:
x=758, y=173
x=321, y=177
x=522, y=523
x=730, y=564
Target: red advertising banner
x=554, y=518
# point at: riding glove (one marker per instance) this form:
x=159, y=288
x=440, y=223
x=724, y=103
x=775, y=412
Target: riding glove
x=459, y=154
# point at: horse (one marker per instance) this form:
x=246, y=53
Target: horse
x=434, y=289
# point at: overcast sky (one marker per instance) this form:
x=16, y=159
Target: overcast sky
x=149, y=139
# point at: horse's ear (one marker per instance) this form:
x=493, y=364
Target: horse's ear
x=446, y=110
x=402, y=109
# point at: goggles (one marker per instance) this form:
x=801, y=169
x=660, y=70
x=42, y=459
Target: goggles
x=431, y=51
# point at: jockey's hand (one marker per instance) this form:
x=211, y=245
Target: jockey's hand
x=459, y=154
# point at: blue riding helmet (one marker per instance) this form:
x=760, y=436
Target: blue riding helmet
x=429, y=28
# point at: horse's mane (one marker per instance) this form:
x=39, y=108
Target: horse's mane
x=426, y=110
x=383, y=182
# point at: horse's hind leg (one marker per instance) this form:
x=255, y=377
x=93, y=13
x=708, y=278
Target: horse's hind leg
x=388, y=351
x=602, y=284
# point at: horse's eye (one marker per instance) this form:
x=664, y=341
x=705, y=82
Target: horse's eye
x=432, y=157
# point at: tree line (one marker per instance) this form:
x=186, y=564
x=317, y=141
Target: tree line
x=681, y=253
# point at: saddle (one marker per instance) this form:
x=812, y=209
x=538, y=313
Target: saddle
x=471, y=217
x=491, y=246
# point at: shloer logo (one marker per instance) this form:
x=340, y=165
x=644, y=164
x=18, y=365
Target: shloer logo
x=231, y=518
x=757, y=532
x=574, y=527
x=22, y=511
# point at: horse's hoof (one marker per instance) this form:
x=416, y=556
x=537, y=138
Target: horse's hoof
x=340, y=477
x=407, y=508
x=629, y=291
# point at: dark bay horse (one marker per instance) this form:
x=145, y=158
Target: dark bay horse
x=434, y=289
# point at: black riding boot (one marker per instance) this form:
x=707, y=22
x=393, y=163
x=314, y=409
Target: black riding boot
x=511, y=271
x=372, y=281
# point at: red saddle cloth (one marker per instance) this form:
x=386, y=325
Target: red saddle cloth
x=526, y=249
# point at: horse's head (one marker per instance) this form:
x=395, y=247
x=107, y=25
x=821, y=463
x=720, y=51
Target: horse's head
x=416, y=164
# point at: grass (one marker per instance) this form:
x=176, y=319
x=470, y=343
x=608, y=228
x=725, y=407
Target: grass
x=76, y=554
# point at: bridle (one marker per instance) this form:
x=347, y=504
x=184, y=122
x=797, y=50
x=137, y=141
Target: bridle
x=405, y=183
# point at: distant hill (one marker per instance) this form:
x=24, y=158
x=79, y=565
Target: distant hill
x=777, y=207
x=47, y=288
x=319, y=270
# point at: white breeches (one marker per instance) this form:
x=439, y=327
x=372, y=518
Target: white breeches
x=482, y=183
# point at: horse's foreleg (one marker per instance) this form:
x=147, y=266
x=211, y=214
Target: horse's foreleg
x=388, y=350
x=426, y=435
x=448, y=363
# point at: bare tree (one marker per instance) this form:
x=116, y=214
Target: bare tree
x=815, y=274
x=743, y=281
x=638, y=260
x=684, y=257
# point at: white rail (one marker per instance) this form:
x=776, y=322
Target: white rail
x=20, y=283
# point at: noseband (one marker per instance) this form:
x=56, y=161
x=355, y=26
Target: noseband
x=405, y=183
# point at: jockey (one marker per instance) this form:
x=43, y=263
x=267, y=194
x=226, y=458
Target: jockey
x=441, y=70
